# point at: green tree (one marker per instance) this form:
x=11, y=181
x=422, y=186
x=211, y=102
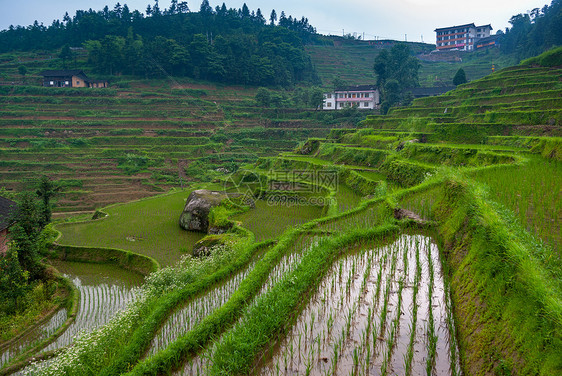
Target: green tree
x=46, y=190
x=22, y=70
x=338, y=83
x=107, y=55
x=460, y=77
x=397, y=70
x=24, y=235
x=391, y=95
x=315, y=97
x=199, y=51
x=134, y=53
x=13, y=282
x=263, y=97
x=397, y=64
x=65, y=55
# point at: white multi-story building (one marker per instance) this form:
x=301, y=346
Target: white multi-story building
x=462, y=37
x=364, y=97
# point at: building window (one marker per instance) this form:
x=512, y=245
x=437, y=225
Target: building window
x=365, y=104
x=77, y=82
x=367, y=95
x=329, y=104
x=329, y=96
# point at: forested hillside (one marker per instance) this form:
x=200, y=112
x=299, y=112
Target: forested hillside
x=534, y=32
x=224, y=45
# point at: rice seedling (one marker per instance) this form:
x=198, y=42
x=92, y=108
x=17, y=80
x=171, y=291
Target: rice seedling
x=368, y=218
x=372, y=330
x=34, y=337
x=408, y=357
x=202, y=362
x=99, y=301
x=532, y=192
x=185, y=318
x=100, y=346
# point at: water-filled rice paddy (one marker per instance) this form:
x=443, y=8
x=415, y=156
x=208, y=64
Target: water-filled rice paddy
x=381, y=310
x=378, y=311
x=200, y=365
x=104, y=290
x=190, y=314
x=35, y=336
x=269, y=220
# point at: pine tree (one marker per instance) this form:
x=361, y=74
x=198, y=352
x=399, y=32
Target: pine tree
x=460, y=77
x=46, y=190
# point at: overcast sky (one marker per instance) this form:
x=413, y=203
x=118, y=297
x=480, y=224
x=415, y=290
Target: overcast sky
x=392, y=19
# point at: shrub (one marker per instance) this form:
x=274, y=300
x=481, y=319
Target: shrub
x=550, y=58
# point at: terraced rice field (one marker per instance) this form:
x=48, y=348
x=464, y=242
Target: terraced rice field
x=378, y=311
x=35, y=336
x=114, y=145
x=202, y=363
x=353, y=62
x=104, y=291
x=360, y=286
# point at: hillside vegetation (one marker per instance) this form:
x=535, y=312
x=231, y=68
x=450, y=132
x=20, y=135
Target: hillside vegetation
x=352, y=62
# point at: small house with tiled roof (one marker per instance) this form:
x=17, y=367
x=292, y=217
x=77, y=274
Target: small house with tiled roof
x=69, y=78
x=7, y=211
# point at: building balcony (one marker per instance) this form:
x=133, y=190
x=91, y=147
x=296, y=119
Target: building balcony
x=355, y=99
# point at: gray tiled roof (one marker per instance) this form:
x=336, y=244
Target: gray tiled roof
x=7, y=210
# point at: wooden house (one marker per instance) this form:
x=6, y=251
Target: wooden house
x=69, y=78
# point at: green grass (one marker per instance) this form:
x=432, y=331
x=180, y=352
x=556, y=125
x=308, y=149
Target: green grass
x=36, y=305
x=532, y=191
x=269, y=220
x=149, y=227
x=503, y=279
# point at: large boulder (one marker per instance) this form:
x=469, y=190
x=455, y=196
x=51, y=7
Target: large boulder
x=195, y=215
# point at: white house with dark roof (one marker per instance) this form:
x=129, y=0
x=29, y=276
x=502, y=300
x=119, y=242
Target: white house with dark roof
x=364, y=97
